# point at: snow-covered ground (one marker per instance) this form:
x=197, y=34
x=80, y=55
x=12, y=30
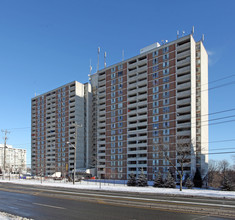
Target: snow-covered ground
x=124, y=188
x=6, y=216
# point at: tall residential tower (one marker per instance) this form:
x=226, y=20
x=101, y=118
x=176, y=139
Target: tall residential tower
x=157, y=97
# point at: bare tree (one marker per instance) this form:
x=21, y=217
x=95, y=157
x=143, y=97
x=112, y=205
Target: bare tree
x=179, y=157
x=213, y=170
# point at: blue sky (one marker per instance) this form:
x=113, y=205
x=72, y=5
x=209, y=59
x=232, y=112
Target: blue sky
x=45, y=44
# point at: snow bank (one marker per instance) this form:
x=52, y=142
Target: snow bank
x=123, y=188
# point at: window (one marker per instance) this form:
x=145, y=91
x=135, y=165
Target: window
x=112, y=94
x=113, y=88
x=120, y=67
x=113, y=100
x=113, y=151
x=155, y=61
x=113, y=113
x=155, y=118
x=120, y=86
x=120, y=124
x=119, y=150
x=120, y=131
x=165, y=94
x=165, y=50
x=155, y=75
x=166, y=132
x=155, y=68
x=155, y=126
x=166, y=117
x=166, y=86
x=155, y=133
x=166, y=109
x=165, y=56
x=155, y=82
x=112, y=157
x=113, y=107
x=155, y=53
x=113, y=69
x=166, y=79
x=120, y=105
x=120, y=92
x=155, y=89
x=120, y=80
x=112, y=144
x=166, y=102
x=113, y=119
x=120, y=99
x=120, y=144
x=155, y=97
x=120, y=137
x=113, y=75
x=166, y=71
x=120, y=118
x=155, y=140
x=155, y=111
x=120, y=73
x=166, y=139
x=113, y=81
x=155, y=104
x=166, y=124
x=113, y=125
x=120, y=111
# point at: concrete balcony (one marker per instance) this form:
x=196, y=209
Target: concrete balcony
x=184, y=117
x=101, y=83
x=130, y=99
x=183, y=47
x=183, y=94
x=183, y=70
x=184, y=78
x=183, y=54
x=141, y=62
x=185, y=109
x=184, y=62
x=183, y=133
x=141, y=69
x=101, y=77
x=142, y=82
x=132, y=65
x=184, y=125
x=184, y=86
x=142, y=110
x=183, y=101
x=132, y=78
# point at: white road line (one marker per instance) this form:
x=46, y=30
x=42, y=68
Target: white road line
x=51, y=206
x=140, y=199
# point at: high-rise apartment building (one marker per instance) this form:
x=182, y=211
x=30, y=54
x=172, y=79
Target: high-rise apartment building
x=157, y=97
x=56, y=115
x=14, y=159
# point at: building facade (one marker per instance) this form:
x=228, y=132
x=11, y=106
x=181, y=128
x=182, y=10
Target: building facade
x=134, y=116
x=15, y=159
x=59, y=126
x=159, y=97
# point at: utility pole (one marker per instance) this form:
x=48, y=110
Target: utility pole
x=75, y=149
x=5, y=145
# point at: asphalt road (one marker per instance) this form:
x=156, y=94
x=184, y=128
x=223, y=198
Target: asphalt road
x=59, y=203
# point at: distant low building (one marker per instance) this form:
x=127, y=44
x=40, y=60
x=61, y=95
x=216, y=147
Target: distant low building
x=15, y=159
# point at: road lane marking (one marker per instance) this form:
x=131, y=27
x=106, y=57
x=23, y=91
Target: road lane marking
x=142, y=199
x=51, y=206
x=136, y=199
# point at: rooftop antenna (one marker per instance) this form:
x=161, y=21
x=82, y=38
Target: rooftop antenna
x=89, y=75
x=35, y=94
x=122, y=55
x=203, y=37
x=98, y=59
x=162, y=42
x=192, y=32
x=183, y=32
x=166, y=41
x=105, y=59
x=178, y=33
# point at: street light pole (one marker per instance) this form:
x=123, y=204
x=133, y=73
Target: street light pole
x=75, y=146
